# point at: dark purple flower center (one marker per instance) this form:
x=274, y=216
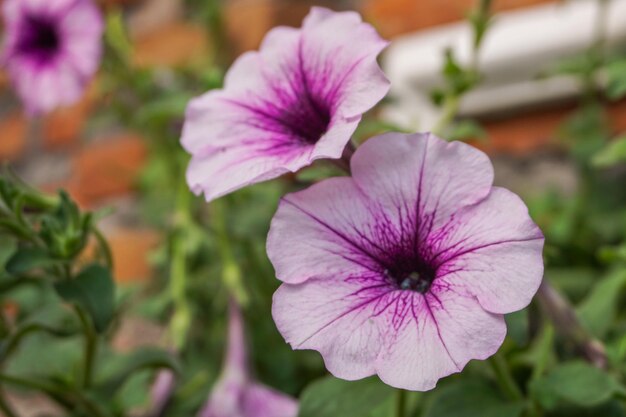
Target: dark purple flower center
x=413, y=276
x=39, y=37
x=307, y=120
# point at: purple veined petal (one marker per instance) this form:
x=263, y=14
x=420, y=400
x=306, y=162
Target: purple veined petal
x=51, y=50
x=421, y=177
x=340, y=51
x=236, y=394
x=494, y=250
x=298, y=99
x=405, y=269
x=336, y=318
x=436, y=335
x=261, y=401
x=350, y=236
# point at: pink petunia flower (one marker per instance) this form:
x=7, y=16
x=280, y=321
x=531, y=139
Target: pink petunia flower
x=406, y=269
x=296, y=100
x=236, y=394
x=52, y=48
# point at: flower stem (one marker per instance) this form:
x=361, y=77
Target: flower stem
x=562, y=314
x=231, y=274
x=91, y=343
x=450, y=109
x=400, y=403
x=504, y=377
x=181, y=318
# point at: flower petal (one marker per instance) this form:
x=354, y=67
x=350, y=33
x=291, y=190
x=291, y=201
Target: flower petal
x=421, y=178
x=435, y=336
x=299, y=98
x=493, y=250
x=331, y=229
x=261, y=401
x=339, y=53
x=56, y=76
x=334, y=317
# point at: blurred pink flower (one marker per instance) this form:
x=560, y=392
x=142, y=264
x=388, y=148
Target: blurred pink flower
x=296, y=100
x=52, y=49
x=406, y=269
x=236, y=394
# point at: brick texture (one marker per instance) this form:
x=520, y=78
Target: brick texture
x=108, y=168
x=13, y=141
x=397, y=17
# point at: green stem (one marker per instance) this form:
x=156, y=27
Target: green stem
x=450, y=109
x=231, y=273
x=560, y=311
x=91, y=343
x=181, y=318
x=401, y=403
x=504, y=377
x=104, y=247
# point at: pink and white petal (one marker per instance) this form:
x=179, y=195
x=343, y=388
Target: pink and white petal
x=494, y=250
x=317, y=15
x=38, y=87
x=421, y=178
x=466, y=330
x=11, y=13
x=309, y=237
x=335, y=317
x=503, y=277
x=225, y=399
x=217, y=119
x=334, y=141
x=255, y=72
x=83, y=19
x=338, y=53
x=414, y=356
x=261, y=401
x=220, y=171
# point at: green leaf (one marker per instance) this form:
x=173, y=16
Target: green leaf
x=466, y=130
x=612, y=408
x=611, y=154
x=27, y=259
x=598, y=310
x=93, y=290
x=616, y=79
x=472, y=398
x=517, y=326
x=576, y=383
x=331, y=397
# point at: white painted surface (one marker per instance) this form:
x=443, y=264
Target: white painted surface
x=519, y=46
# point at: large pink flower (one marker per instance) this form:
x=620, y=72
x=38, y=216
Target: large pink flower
x=51, y=50
x=298, y=99
x=406, y=269
x=236, y=394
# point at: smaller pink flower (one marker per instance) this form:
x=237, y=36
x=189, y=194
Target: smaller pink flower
x=236, y=394
x=406, y=269
x=298, y=99
x=52, y=49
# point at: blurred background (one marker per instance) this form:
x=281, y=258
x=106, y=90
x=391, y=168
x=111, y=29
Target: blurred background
x=540, y=92
x=99, y=162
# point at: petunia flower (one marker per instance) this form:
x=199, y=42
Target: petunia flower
x=52, y=48
x=298, y=99
x=236, y=394
x=405, y=269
